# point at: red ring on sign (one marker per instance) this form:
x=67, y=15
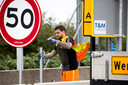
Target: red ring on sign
x=35, y=31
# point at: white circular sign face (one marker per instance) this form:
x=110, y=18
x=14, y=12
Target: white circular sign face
x=18, y=31
x=21, y=21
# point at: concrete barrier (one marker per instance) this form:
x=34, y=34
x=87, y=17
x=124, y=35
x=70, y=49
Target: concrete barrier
x=85, y=82
x=32, y=76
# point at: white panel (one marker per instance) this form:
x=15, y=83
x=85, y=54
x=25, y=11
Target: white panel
x=98, y=66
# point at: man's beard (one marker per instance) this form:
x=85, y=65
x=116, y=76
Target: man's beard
x=60, y=38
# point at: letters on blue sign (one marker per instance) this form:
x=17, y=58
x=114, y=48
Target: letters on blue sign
x=100, y=25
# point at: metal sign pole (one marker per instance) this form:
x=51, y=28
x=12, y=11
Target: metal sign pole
x=127, y=29
x=99, y=44
x=20, y=66
x=120, y=24
x=41, y=65
x=18, y=58
x=92, y=48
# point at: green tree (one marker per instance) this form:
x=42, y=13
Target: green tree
x=8, y=53
x=6, y=49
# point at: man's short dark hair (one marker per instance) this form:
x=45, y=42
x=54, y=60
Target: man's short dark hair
x=61, y=27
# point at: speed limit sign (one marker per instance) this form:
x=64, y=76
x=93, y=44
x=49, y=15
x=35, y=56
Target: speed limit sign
x=20, y=21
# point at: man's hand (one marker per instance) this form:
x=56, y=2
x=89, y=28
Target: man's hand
x=53, y=41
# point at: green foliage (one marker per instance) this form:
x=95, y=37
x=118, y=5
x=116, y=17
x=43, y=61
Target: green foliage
x=31, y=61
x=8, y=53
x=86, y=60
x=124, y=44
x=6, y=49
x=54, y=62
x=8, y=63
x=44, y=34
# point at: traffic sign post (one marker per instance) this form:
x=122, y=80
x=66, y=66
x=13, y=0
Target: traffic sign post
x=20, y=24
x=20, y=64
x=41, y=70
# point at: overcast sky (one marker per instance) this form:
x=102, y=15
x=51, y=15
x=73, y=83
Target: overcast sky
x=60, y=10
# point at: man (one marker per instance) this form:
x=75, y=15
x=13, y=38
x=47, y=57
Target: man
x=67, y=54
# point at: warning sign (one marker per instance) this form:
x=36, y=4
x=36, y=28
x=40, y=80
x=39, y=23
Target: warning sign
x=119, y=65
x=88, y=17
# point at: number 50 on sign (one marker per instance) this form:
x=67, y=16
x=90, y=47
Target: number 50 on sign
x=20, y=21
